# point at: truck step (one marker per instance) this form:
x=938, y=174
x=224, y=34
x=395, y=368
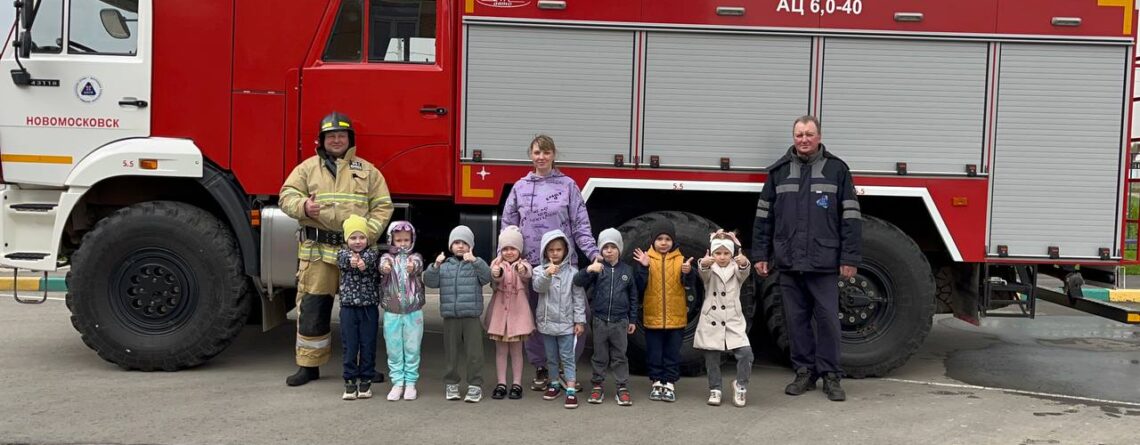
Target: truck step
x=26, y=256
x=33, y=207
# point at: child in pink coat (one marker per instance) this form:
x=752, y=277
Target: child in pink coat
x=509, y=320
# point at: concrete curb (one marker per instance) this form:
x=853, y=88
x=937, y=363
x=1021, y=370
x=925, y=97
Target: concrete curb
x=1112, y=295
x=33, y=284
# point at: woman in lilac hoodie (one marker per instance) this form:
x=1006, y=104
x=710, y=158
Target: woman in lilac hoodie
x=542, y=201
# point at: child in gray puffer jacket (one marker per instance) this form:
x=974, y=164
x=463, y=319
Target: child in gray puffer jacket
x=460, y=279
x=561, y=312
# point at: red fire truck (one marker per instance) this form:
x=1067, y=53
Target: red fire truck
x=143, y=143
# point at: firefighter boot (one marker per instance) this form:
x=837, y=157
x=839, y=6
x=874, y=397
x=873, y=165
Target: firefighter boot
x=804, y=382
x=304, y=375
x=835, y=393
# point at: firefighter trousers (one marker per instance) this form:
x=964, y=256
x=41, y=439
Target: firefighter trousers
x=316, y=284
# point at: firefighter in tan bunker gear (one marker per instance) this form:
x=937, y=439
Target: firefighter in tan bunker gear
x=320, y=194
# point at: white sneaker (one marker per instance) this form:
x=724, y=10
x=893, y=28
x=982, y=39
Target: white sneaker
x=474, y=394
x=739, y=394
x=714, y=397
x=396, y=393
x=410, y=392
x=451, y=392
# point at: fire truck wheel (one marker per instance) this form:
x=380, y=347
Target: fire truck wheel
x=158, y=286
x=772, y=315
x=693, y=238
x=886, y=311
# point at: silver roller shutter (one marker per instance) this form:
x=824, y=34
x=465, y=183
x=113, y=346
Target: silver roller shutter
x=574, y=85
x=914, y=101
x=713, y=96
x=1056, y=174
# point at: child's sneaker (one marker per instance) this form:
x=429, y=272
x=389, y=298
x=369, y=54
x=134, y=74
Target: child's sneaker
x=597, y=395
x=541, y=379
x=451, y=392
x=571, y=400
x=515, y=392
x=657, y=391
x=364, y=389
x=714, y=397
x=500, y=392
x=739, y=394
x=396, y=393
x=667, y=394
x=349, y=390
x=552, y=392
x=623, y=397
x=410, y=392
x=474, y=394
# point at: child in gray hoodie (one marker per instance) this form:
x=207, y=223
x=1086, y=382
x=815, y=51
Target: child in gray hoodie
x=561, y=312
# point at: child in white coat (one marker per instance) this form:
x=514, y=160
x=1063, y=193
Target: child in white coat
x=722, y=326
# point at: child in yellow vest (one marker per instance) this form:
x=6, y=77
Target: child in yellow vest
x=663, y=273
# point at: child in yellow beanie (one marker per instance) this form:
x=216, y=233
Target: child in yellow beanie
x=359, y=316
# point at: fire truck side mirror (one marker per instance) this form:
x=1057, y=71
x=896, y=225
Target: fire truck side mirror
x=27, y=12
x=114, y=23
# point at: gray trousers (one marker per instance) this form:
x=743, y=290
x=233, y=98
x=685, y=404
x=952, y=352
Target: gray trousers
x=743, y=366
x=463, y=337
x=610, y=341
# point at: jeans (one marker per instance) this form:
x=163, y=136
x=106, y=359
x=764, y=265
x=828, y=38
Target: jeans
x=663, y=354
x=560, y=348
x=743, y=366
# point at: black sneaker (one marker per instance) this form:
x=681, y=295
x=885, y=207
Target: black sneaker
x=541, y=379
x=304, y=375
x=835, y=393
x=349, y=390
x=804, y=382
x=364, y=389
x=499, y=392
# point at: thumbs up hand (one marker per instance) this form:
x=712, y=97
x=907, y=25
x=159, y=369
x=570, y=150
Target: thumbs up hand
x=707, y=260
x=595, y=267
x=741, y=261
x=386, y=268
x=687, y=266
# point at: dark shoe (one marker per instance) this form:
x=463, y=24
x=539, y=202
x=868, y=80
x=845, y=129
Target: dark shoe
x=804, y=382
x=835, y=393
x=349, y=390
x=597, y=395
x=364, y=389
x=515, y=393
x=571, y=401
x=304, y=375
x=541, y=379
x=499, y=392
x=551, y=393
x=623, y=397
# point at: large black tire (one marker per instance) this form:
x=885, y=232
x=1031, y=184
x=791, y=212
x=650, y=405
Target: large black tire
x=896, y=277
x=693, y=239
x=772, y=313
x=158, y=286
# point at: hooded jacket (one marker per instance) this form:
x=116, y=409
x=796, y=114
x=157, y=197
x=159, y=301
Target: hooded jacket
x=539, y=204
x=561, y=304
x=403, y=291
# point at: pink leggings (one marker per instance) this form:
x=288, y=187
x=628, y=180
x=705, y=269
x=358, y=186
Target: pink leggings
x=515, y=349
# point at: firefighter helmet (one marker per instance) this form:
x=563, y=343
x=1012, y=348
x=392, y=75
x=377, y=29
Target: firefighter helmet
x=336, y=121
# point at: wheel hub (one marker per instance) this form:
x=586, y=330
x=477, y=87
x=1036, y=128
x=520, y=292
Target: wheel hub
x=153, y=291
x=864, y=305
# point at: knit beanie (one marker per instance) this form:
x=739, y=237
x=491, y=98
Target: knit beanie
x=353, y=224
x=461, y=233
x=662, y=227
x=611, y=236
x=511, y=237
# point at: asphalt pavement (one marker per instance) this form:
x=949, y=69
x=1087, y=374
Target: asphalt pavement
x=1064, y=378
